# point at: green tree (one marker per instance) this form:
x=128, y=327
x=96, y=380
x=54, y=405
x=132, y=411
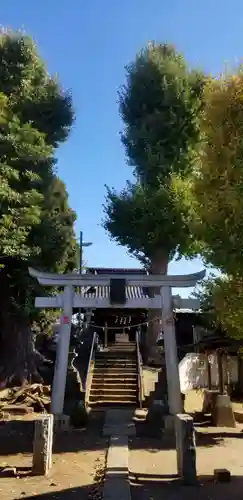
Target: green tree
x=36, y=223
x=217, y=183
x=159, y=105
x=221, y=301
x=217, y=199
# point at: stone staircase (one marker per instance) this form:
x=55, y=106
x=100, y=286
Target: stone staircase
x=114, y=381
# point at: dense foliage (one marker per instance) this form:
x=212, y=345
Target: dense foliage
x=221, y=300
x=159, y=105
x=217, y=199
x=36, y=222
x=183, y=137
x=218, y=181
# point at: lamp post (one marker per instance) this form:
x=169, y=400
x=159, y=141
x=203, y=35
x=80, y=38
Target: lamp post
x=82, y=244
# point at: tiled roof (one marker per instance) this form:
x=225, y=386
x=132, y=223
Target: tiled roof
x=103, y=292
x=116, y=270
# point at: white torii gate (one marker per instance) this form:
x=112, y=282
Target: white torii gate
x=69, y=300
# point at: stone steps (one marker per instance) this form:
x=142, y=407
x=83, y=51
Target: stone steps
x=114, y=381
x=97, y=382
x=116, y=391
x=109, y=378
x=118, y=358
x=122, y=348
x=116, y=399
x=114, y=385
x=120, y=365
x=116, y=370
x=104, y=405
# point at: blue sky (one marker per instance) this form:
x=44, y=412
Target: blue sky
x=88, y=43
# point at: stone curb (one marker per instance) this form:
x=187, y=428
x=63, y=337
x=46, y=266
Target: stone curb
x=116, y=484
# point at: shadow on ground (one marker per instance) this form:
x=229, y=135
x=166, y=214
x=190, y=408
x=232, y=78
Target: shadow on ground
x=214, y=438
x=147, y=487
x=17, y=437
x=168, y=442
x=80, y=493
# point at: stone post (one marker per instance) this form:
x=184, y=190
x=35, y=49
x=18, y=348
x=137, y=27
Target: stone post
x=42, y=449
x=186, y=448
x=60, y=375
x=171, y=359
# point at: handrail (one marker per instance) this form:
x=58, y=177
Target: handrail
x=140, y=371
x=88, y=375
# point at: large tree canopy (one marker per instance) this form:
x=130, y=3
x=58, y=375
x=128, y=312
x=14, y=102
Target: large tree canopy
x=217, y=198
x=36, y=222
x=217, y=185
x=159, y=105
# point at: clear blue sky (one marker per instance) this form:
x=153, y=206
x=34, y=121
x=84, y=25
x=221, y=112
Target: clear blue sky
x=88, y=43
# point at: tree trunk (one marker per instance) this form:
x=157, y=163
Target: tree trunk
x=19, y=361
x=159, y=265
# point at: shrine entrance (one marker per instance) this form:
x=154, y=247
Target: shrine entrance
x=118, y=287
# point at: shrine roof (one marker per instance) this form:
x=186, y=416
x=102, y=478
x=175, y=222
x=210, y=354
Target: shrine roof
x=102, y=292
x=117, y=270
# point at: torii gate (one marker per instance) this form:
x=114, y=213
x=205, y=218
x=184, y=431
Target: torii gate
x=69, y=300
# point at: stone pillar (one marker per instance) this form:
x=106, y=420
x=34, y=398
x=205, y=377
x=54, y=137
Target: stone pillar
x=60, y=375
x=171, y=360
x=223, y=415
x=42, y=449
x=186, y=448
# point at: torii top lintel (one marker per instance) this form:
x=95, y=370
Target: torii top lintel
x=175, y=281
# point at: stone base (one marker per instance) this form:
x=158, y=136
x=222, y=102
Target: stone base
x=222, y=475
x=155, y=416
x=209, y=400
x=169, y=424
x=223, y=414
x=61, y=423
x=140, y=414
x=78, y=415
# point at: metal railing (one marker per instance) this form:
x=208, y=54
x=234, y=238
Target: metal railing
x=140, y=371
x=88, y=380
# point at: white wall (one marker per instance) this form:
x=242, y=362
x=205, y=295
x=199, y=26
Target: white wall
x=193, y=371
